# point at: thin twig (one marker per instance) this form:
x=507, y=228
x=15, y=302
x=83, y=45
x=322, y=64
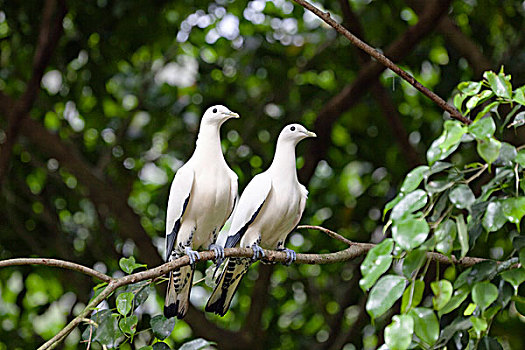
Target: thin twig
x=326, y=17
x=330, y=233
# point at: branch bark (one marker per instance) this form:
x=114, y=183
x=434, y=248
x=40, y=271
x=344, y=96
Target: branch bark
x=355, y=250
x=50, y=32
x=349, y=96
x=325, y=16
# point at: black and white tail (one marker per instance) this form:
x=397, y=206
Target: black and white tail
x=227, y=285
x=178, y=293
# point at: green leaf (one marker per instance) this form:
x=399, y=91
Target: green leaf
x=435, y=152
x=413, y=261
x=519, y=120
x=494, y=218
x=162, y=326
x=475, y=100
x=470, y=88
x=108, y=331
x=507, y=155
x=520, y=157
x=442, y=293
x=486, y=109
x=515, y=277
x=426, y=325
x=412, y=295
x=398, y=335
x=410, y=233
x=414, y=178
x=462, y=235
x=514, y=209
x=479, y=324
x=384, y=294
x=128, y=324
x=519, y=96
x=519, y=303
x=498, y=84
x=146, y=348
x=470, y=309
x=445, y=235
x=458, y=297
x=522, y=256
x=392, y=203
x=484, y=294
x=409, y=204
x=462, y=196
x=479, y=272
x=483, y=129
x=377, y=262
x=454, y=130
x=197, y=344
x=128, y=264
x=488, y=343
x=489, y=149
x=124, y=303
x=161, y=346
x=458, y=325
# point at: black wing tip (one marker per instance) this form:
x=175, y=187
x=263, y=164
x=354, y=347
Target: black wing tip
x=218, y=307
x=172, y=310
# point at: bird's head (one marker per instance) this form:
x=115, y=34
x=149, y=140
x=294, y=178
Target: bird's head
x=216, y=115
x=295, y=133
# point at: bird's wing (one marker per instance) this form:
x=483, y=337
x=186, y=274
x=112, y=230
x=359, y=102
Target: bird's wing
x=177, y=202
x=302, y=205
x=249, y=206
x=234, y=193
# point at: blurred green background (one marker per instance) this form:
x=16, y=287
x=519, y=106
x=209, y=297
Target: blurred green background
x=118, y=111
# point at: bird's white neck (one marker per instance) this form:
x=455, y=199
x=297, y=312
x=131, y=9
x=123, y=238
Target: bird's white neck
x=283, y=164
x=209, y=141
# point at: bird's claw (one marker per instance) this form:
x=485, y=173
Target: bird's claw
x=192, y=255
x=290, y=256
x=219, y=253
x=258, y=252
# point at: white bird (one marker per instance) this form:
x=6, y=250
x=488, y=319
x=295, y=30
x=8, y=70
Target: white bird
x=269, y=209
x=202, y=197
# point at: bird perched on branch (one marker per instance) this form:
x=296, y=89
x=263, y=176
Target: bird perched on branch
x=201, y=199
x=269, y=209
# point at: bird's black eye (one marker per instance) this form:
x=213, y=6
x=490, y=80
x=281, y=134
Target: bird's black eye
x=215, y=110
x=292, y=128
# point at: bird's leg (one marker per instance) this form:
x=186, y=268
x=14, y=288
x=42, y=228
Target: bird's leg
x=290, y=256
x=258, y=252
x=219, y=253
x=192, y=254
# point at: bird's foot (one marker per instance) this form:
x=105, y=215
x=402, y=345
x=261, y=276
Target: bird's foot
x=258, y=252
x=192, y=254
x=219, y=253
x=290, y=256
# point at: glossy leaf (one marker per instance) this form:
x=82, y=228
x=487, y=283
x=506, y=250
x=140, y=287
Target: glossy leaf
x=435, y=152
x=413, y=261
x=498, y=84
x=442, y=293
x=479, y=324
x=377, y=262
x=445, y=235
x=454, y=130
x=462, y=235
x=489, y=149
x=197, y=344
x=409, y=204
x=412, y=295
x=514, y=276
x=520, y=157
x=161, y=346
x=384, y=294
x=494, y=218
x=426, y=325
x=128, y=324
x=462, y=196
x=398, y=335
x=514, y=209
x=458, y=297
x=519, y=96
x=162, y=326
x=483, y=129
x=414, y=178
x=469, y=87
x=410, y=233
x=484, y=294
x=124, y=303
x=128, y=265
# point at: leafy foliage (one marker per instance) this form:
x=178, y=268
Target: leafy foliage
x=433, y=218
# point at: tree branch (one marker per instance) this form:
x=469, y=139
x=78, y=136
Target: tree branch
x=349, y=96
x=56, y=263
x=50, y=31
x=355, y=250
x=325, y=16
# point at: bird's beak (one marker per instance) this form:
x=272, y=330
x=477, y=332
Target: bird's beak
x=231, y=115
x=310, y=134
